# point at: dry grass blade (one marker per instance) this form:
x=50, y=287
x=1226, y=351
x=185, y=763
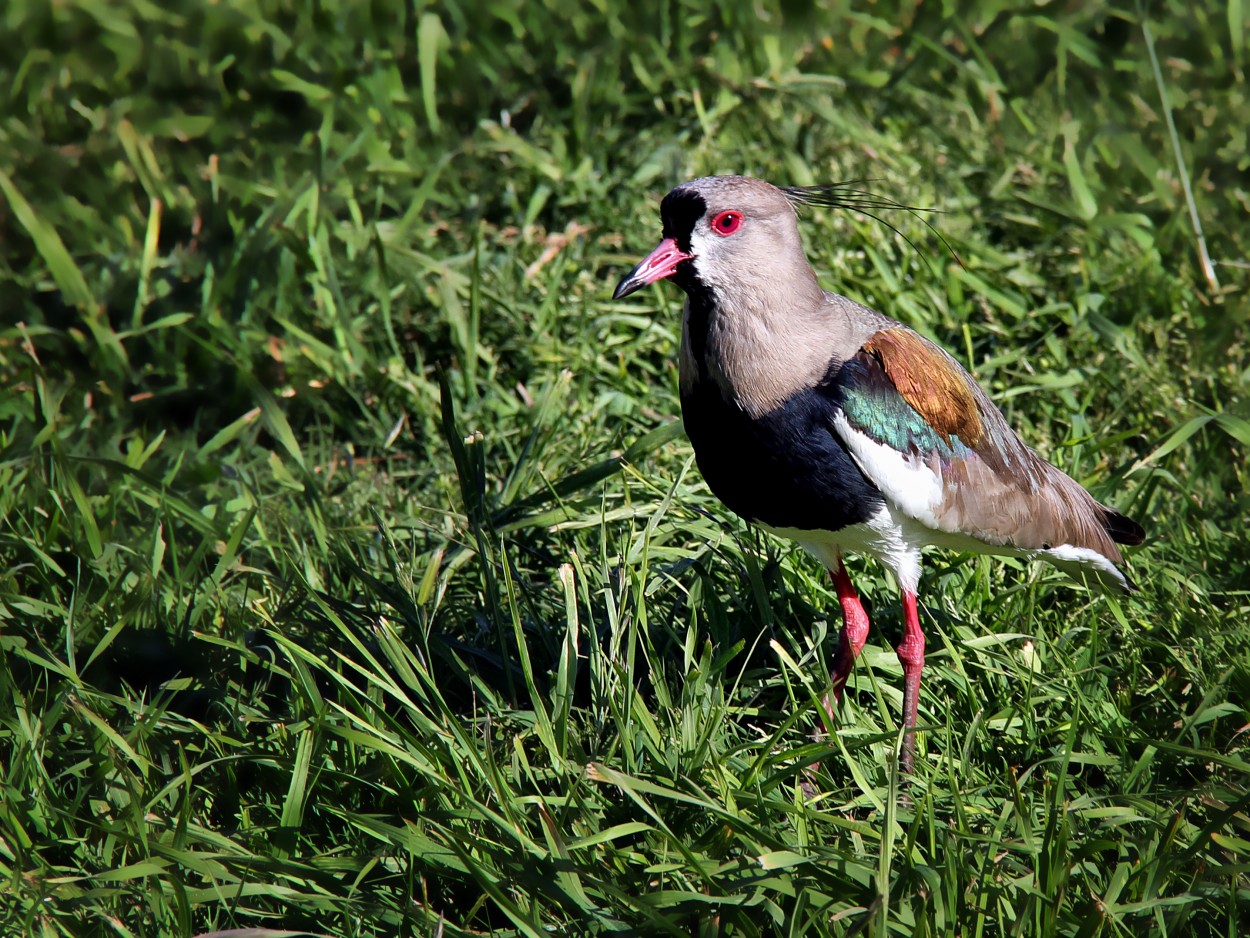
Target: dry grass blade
x=1182, y=171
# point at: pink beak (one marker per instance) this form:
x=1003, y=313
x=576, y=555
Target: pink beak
x=660, y=263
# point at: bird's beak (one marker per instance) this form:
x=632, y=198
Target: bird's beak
x=660, y=263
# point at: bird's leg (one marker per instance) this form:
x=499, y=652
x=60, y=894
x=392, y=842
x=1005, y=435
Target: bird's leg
x=910, y=651
x=854, y=633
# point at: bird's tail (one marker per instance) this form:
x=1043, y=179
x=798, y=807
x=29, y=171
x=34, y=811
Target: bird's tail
x=1121, y=528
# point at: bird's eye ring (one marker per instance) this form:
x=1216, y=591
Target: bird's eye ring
x=726, y=223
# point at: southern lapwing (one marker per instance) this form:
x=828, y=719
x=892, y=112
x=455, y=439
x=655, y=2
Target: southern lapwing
x=824, y=421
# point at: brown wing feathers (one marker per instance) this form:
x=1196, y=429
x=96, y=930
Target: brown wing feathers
x=934, y=389
x=995, y=487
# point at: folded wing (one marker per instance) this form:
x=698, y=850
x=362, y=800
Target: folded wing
x=925, y=433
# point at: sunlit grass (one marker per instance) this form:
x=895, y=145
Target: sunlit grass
x=357, y=578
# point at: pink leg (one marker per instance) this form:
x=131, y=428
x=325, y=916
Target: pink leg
x=854, y=633
x=911, y=655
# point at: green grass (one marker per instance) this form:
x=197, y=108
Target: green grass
x=355, y=576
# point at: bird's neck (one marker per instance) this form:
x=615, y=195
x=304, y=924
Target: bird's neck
x=759, y=344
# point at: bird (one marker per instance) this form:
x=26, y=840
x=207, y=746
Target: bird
x=828, y=423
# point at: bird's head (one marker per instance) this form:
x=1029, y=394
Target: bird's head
x=723, y=233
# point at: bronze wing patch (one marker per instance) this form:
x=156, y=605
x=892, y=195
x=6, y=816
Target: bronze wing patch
x=931, y=382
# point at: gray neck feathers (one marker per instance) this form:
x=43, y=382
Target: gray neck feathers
x=770, y=337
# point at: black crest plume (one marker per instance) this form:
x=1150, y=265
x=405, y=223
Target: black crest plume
x=849, y=195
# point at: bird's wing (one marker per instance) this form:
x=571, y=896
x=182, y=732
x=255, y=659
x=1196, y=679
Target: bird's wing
x=924, y=432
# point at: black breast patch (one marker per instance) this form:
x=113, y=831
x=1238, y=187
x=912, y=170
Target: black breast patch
x=786, y=469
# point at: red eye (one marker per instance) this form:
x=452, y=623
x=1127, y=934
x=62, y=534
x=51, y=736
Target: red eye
x=726, y=223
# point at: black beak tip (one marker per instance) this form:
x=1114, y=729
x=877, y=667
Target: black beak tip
x=629, y=284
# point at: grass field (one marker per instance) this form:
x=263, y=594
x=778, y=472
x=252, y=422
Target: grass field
x=356, y=575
